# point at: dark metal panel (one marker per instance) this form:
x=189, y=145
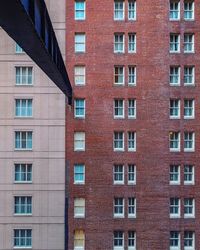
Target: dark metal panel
x=28, y=23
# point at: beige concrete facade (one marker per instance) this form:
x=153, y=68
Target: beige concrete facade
x=48, y=146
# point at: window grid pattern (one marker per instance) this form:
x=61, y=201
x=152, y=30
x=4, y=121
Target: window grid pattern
x=79, y=75
x=188, y=10
x=174, y=10
x=174, y=138
x=118, y=108
x=188, y=174
x=132, y=75
x=131, y=240
x=79, y=141
x=118, y=239
x=119, y=43
x=131, y=207
x=174, y=174
x=79, y=208
x=188, y=108
x=174, y=43
x=189, y=75
x=24, y=75
x=188, y=141
x=189, y=240
x=79, y=108
x=118, y=174
x=188, y=207
x=22, y=238
x=118, y=140
x=23, y=140
x=79, y=174
x=131, y=141
x=174, y=207
x=131, y=174
x=79, y=42
x=132, y=10
x=23, y=108
x=118, y=10
x=174, y=108
x=79, y=10
x=132, y=43
x=79, y=240
x=188, y=43
x=18, y=49
x=131, y=108
x=174, y=75
x=23, y=205
x=174, y=239
x=23, y=172
x=119, y=75
x=118, y=207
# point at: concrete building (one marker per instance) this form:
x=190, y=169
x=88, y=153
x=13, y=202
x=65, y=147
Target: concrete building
x=133, y=131
x=32, y=147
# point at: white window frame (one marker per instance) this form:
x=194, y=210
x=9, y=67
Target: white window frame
x=173, y=75
x=119, y=74
x=20, y=246
x=78, y=208
x=118, y=43
x=117, y=140
x=186, y=134
x=174, y=43
x=132, y=108
x=174, y=206
x=27, y=140
x=132, y=75
x=76, y=107
x=191, y=173
x=173, y=2
x=173, y=106
x=132, y=43
x=187, y=238
x=171, y=172
x=115, y=173
x=21, y=173
x=80, y=40
x=191, y=107
x=190, y=73
x=117, y=108
x=82, y=246
x=179, y=245
x=192, y=10
x=131, y=140
x=131, y=182
x=82, y=140
x=78, y=10
x=78, y=182
x=79, y=73
x=132, y=10
x=18, y=49
x=23, y=79
x=118, y=206
x=115, y=10
x=188, y=42
x=21, y=100
x=174, y=134
x=133, y=206
x=25, y=205
x=189, y=206
x=118, y=247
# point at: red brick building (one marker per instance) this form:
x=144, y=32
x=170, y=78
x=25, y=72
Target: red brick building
x=133, y=132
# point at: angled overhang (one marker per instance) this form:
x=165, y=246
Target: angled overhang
x=29, y=24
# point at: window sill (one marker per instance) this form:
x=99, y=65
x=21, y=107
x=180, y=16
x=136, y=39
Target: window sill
x=132, y=84
x=23, y=182
x=174, y=150
x=23, y=149
x=118, y=84
x=118, y=183
x=175, y=216
x=118, y=216
x=24, y=85
x=189, y=150
x=79, y=216
x=131, y=216
x=132, y=183
x=23, y=215
x=174, y=52
x=189, y=52
x=175, y=84
x=189, y=183
x=132, y=150
x=22, y=247
x=118, y=150
x=79, y=117
x=79, y=150
x=189, y=117
x=79, y=183
x=189, y=84
x=132, y=52
x=119, y=117
x=189, y=216
x=174, y=20
x=24, y=117
x=174, y=183
x=119, y=52
x=174, y=117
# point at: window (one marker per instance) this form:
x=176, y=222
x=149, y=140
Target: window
x=79, y=174
x=23, y=172
x=189, y=240
x=118, y=141
x=119, y=43
x=118, y=240
x=174, y=141
x=189, y=208
x=189, y=75
x=118, y=10
x=118, y=108
x=174, y=240
x=174, y=13
x=131, y=207
x=24, y=75
x=189, y=141
x=79, y=42
x=118, y=174
x=132, y=75
x=188, y=174
x=188, y=10
x=131, y=240
x=79, y=108
x=23, y=140
x=174, y=109
x=79, y=10
x=23, y=107
x=131, y=174
x=174, y=43
x=131, y=141
x=174, y=174
x=131, y=10
x=131, y=108
x=79, y=240
x=174, y=207
x=18, y=49
x=131, y=43
x=79, y=141
x=79, y=208
x=188, y=108
x=188, y=43
x=118, y=207
x=23, y=205
x=22, y=238
x=119, y=75
x=174, y=75
x=79, y=75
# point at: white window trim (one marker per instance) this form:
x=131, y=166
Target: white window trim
x=135, y=50
x=80, y=19
x=117, y=19
x=79, y=182
x=193, y=108
x=135, y=78
x=193, y=82
x=174, y=216
x=193, y=41
x=135, y=142
x=135, y=173
x=175, y=19
x=187, y=216
x=118, y=116
x=178, y=182
x=79, y=149
x=192, y=182
x=179, y=110
x=193, y=13
x=22, y=182
x=75, y=75
x=179, y=145
x=23, y=214
x=121, y=83
x=118, y=182
x=118, y=149
x=84, y=107
x=179, y=245
x=78, y=215
x=123, y=50
x=24, y=247
x=23, y=98
x=84, y=42
x=135, y=209
x=22, y=65
x=193, y=144
x=118, y=215
x=23, y=149
x=175, y=51
x=193, y=247
x=135, y=18
x=135, y=115
x=179, y=81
